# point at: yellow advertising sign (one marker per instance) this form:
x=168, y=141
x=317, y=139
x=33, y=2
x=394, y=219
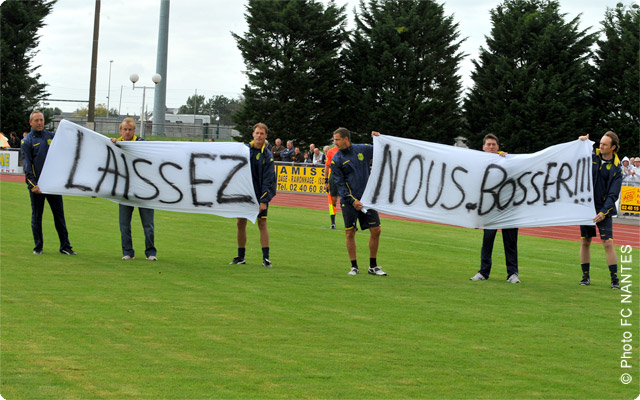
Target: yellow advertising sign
x=630, y=199
x=300, y=178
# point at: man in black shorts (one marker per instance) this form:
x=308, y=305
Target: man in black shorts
x=607, y=180
x=350, y=171
x=263, y=176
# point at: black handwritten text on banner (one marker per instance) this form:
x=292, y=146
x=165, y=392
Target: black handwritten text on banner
x=470, y=188
x=208, y=178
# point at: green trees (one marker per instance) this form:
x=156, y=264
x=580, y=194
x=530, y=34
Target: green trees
x=531, y=82
x=21, y=91
x=616, y=78
x=400, y=66
x=291, y=53
x=218, y=105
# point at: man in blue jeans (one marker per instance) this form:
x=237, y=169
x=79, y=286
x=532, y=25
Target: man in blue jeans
x=128, y=133
x=34, y=148
x=509, y=236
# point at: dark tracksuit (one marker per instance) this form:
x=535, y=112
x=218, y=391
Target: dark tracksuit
x=263, y=173
x=607, y=182
x=350, y=173
x=34, y=150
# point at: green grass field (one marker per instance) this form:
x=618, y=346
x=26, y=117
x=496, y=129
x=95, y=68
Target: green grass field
x=190, y=326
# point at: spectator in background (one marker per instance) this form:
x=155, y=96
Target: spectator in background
x=276, y=150
x=34, y=151
x=307, y=158
x=627, y=167
x=287, y=153
x=128, y=133
x=297, y=156
x=14, y=142
x=318, y=157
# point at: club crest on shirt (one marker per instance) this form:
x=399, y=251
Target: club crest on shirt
x=258, y=156
x=49, y=142
x=360, y=156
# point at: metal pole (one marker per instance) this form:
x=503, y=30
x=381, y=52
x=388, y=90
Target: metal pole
x=120, y=103
x=109, y=88
x=142, y=117
x=160, y=96
x=94, y=67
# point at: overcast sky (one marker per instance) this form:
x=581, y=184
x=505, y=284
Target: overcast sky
x=203, y=55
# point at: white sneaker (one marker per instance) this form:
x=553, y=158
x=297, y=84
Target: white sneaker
x=478, y=277
x=128, y=258
x=513, y=279
x=152, y=258
x=377, y=271
x=354, y=271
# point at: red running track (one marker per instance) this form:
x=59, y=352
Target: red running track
x=631, y=233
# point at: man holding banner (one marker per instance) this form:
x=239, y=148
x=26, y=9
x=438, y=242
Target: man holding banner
x=509, y=235
x=350, y=168
x=264, y=185
x=35, y=147
x=607, y=181
x=128, y=133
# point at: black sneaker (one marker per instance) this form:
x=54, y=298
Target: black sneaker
x=237, y=260
x=68, y=252
x=615, y=282
x=266, y=263
x=585, y=280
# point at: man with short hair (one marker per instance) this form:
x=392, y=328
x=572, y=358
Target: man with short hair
x=288, y=152
x=264, y=185
x=34, y=149
x=127, y=134
x=350, y=168
x=509, y=235
x=607, y=181
x=276, y=150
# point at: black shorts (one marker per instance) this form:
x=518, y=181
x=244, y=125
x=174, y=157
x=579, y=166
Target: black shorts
x=333, y=188
x=263, y=214
x=605, y=227
x=370, y=219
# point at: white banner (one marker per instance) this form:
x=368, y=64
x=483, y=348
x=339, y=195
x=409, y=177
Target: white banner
x=474, y=189
x=209, y=178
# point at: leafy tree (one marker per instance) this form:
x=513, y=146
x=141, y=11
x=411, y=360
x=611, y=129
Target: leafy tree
x=101, y=111
x=196, y=102
x=616, y=78
x=531, y=82
x=49, y=113
x=19, y=83
x=291, y=53
x=224, y=108
x=401, y=64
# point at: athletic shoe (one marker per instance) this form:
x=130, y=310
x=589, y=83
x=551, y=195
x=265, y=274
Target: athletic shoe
x=377, y=271
x=513, y=279
x=152, y=258
x=615, y=283
x=585, y=280
x=68, y=252
x=266, y=263
x=354, y=271
x=237, y=260
x=128, y=258
x=478, y=277
x=333, y=227
x=38, y=252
